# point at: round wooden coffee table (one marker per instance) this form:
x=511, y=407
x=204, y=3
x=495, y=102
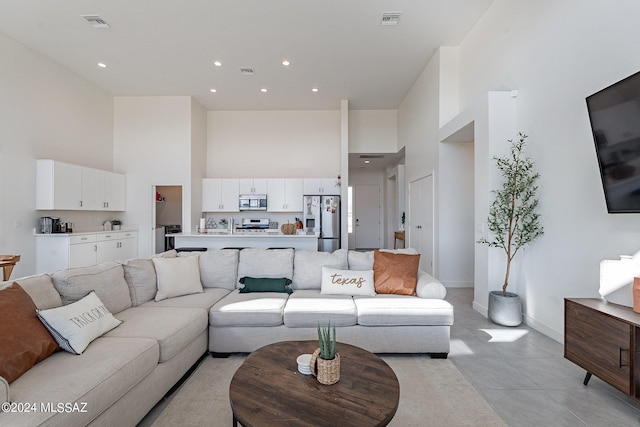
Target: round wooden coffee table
x=268, y=390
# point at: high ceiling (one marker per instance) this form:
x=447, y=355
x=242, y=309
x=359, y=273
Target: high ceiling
x=168, y=47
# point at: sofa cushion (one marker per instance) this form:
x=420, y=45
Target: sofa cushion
x=5, y=396
x=395, y=273
x=75, y=325
x=402, y=310
x=265, y=284
x=360, y=260
x=108, y=369
x=274, y=263
x=41, y=290
x=177, y=276
x=429, y=287
x=307, y=267
x=364, y=260
x=172, y=327
x=140, y=275
x=308, y=307
x=219, y=268
x=252, y=309
x=204, y=300
x=347, y=282
x=24, y=341
x=107, y=279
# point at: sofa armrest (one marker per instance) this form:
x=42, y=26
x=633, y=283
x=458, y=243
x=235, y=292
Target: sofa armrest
x=4, y=391
x=429, y=287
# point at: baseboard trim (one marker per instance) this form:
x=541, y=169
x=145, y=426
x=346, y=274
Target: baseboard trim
x=464, y=284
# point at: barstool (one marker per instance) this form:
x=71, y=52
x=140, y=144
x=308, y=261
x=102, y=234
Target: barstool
x=7, y=262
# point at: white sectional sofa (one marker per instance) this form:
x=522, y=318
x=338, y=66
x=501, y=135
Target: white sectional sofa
x=122, y=374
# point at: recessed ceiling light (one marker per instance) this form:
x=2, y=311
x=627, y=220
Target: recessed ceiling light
x=102, y=65
x=286, y=63
x=366, y=162
x=217, y=63
x=264, y=90
x=212, y=90
x=315, y=89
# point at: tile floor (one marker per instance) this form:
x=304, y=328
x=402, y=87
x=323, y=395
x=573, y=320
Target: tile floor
x=525, y=377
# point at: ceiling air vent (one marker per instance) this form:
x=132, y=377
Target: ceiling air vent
x=390, y=18
x=371, y=156
x=96, y=21
x=246, y=71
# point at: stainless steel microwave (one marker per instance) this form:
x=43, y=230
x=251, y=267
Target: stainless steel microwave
x=253, y=202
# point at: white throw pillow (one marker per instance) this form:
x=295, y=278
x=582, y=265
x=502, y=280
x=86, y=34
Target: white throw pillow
x=75, y=325
x=177, y=276
x=347, y=282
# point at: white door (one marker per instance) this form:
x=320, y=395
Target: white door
x=366, y=211
x=420, y=220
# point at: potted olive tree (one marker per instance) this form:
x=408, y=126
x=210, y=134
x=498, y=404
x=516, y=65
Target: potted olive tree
x=514, y=223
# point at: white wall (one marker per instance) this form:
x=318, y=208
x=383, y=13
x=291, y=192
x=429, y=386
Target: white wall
x=373, y=131
x=153, y=146
x=556, y=54
x=198, y=158
x=418, y=126
x=45, y=112
x=273, y=144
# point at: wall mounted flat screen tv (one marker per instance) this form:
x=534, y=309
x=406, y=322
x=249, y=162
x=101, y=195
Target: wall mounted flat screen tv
x=615, y=122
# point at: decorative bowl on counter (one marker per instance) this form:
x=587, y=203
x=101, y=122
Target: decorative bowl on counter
x=288, y=228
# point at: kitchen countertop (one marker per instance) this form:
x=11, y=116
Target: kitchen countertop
x=79, y=233
x=268, y=234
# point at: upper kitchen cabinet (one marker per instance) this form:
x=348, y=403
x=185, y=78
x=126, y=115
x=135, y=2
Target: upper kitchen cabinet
x=253, y=186
x=62, y=186
x=284, y=195
x=324, y=186
x=220, y=195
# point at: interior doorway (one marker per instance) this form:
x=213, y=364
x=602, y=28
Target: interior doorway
x=420, y=228
x=167, y=215
x=366, y=212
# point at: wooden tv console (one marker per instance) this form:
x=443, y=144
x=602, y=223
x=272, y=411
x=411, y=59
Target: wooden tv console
x=604, y=339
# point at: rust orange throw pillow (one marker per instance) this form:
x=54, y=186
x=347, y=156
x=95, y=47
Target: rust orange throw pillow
x=395, y=273
x=24, y=341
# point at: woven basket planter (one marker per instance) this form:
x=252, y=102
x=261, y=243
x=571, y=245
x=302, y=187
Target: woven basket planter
x=326, y=371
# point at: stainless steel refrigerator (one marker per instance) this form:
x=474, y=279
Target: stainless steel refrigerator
x=322, y=215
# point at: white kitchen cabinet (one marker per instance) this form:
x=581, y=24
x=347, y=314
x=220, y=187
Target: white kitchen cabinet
x=284, y=195
x=253, y=186
x=220, y=195
x=82, y=251
x=116, y=246
x=58, y=185
x=323, y=186
x=61, y=251
x=63, y=186
x=115, y=191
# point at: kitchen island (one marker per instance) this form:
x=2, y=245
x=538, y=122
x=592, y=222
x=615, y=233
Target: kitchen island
x=264, y=240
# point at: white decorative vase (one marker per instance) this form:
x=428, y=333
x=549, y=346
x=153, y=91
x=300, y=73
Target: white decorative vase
x=505, y=310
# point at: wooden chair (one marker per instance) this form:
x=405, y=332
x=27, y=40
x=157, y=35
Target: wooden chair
x=7, y=262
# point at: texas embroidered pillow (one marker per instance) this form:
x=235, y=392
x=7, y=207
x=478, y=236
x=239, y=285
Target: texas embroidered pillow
x=347, y=282
x=75, y=325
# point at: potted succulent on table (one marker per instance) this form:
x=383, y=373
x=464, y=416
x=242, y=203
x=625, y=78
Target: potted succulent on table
x=116, y=224
x=514, y=223
x=325, y=361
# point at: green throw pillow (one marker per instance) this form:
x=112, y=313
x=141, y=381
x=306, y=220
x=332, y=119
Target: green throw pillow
x=263, y=284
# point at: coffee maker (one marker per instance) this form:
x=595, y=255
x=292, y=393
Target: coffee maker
x=50, y=224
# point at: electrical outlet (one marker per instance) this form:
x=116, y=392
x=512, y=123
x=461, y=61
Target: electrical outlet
x=17, y=224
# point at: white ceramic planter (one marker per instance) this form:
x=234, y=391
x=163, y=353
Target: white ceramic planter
x=505, y=310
